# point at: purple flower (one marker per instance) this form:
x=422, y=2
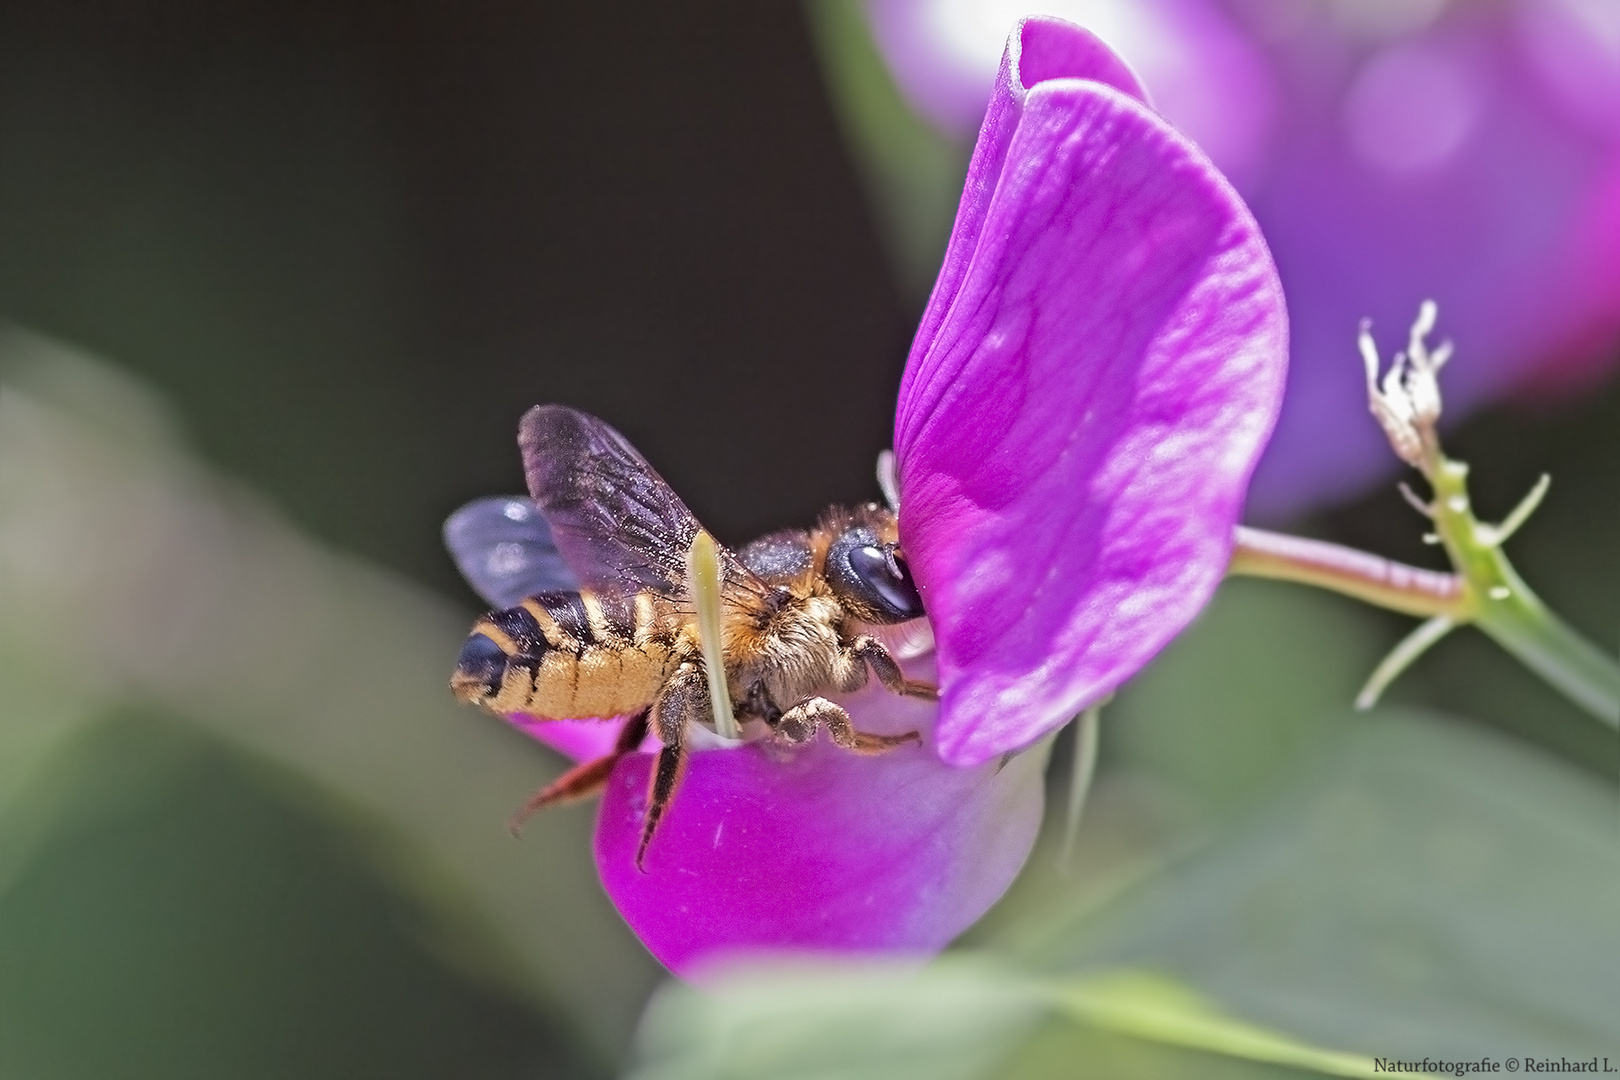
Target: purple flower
x=1092, y=383
x=1468, y=153
x=1094, y=378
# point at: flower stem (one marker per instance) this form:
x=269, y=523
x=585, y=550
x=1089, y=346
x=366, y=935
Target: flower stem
x=1375, y=580
x=1508, y=610
x=1545, y=643
x=1485, y=589
x=1488, y=592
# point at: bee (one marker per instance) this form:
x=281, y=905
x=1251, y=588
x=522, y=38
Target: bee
x=601, y=621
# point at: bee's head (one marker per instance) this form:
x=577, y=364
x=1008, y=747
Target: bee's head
x=870, y=578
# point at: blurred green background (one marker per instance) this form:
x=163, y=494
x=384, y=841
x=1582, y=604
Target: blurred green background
x=278, y=279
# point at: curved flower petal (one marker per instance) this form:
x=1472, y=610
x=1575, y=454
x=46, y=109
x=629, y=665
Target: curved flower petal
x=1207, y=78
x=818, y=849
x=1044, y=48
x=1095, y=377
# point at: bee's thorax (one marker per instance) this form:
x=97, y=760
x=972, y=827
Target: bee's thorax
x=797, y=654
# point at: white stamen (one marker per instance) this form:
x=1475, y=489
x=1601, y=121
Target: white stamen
x=1369, y=356
x=1428, y=312
x=1406, y=402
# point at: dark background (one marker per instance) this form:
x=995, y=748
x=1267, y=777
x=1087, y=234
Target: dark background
x=353, y=242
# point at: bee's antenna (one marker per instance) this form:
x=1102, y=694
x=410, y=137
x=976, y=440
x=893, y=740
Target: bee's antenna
x=892, y=559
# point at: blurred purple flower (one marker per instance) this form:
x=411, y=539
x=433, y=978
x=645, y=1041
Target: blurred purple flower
x=1391, y=152
x=1091, y=385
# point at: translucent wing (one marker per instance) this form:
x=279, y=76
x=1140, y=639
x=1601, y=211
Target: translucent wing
x=617, y=524
x=503, y=547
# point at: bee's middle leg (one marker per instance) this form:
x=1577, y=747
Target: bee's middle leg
x=870, y=651
x=684, y=700
x=800, y=723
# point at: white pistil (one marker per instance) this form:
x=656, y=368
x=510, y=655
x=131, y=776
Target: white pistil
x=703, y=574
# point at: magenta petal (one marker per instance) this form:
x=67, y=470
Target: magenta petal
x=1095, y=377
x=581, y=740
x=1056, y=46
x=1043, y=48
x=824, y=850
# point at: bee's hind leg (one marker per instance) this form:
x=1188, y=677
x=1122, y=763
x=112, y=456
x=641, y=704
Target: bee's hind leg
x=586, y=779
x=684, y=700
x=871, y=652
x=799, y=724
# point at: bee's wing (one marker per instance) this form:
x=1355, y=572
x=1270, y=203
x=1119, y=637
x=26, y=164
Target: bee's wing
x=503, y=547
x=616, y=522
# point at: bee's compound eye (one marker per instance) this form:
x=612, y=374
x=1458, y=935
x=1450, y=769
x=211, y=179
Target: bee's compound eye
x=872, y=573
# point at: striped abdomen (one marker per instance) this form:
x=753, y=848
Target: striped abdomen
x=565, y=655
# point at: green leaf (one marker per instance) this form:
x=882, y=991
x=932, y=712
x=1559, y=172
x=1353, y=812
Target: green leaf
x=955, y=1019
x=964, y=1016
x=1427, y=887
x=1158, y=1009
x=1254, y=687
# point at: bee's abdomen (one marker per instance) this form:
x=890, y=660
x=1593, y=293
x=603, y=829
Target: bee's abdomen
x=565, y=655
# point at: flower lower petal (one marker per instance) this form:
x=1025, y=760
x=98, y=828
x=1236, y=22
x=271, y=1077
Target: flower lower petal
x=818, y=849
x=580, y=740
x=1098, y=371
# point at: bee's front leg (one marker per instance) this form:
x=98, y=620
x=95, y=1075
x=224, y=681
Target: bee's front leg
x=800, y=723
x=684, y=700
x=870, y=651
